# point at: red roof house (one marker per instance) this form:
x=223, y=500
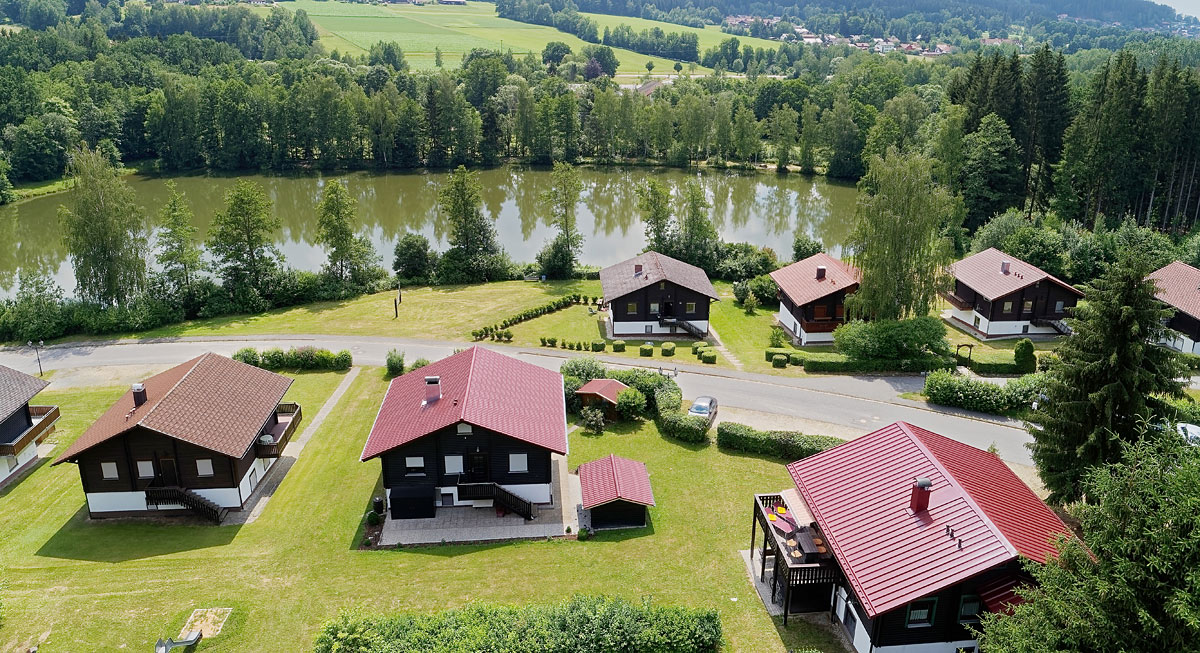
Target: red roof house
x=812, y=296
x=1179, y=287
x=616, y=492
x=998, y=295
x=926, y=531
x=602, y=392
x=477, y=418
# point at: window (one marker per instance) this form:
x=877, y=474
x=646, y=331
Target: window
x=849, y=620
x=653, y=307
x=662, y=285
x=1027, y=307
x=414, y=465
x=518, y=463
x=649, y=329
x=145, y=468
x=204, y=467
x=109, y=471
x=1058, y=306
x=691, y=307
x=454, y=464
x=920, y=613
x=840, y=311
x=820, y=312
x=977, y=321
x=1007, y=307
x=631, y=308
x=968, y=609
x=464, y=428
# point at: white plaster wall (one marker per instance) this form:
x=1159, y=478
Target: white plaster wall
x=639, y=328
x=1000, y=327
x=226, y=497
x=807, y=338
x=862, y=639
x=936, y=647
x=116, y=501
x=23, y=456
x=1178, y=341
x=261, y=465
x=533, y=492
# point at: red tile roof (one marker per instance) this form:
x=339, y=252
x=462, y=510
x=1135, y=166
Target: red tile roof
x=620, y=280
x=859, y=494
x=982, y=273
x=615, y=478
x=1179, y=286
x=16, y=389
x=606, y=388
x=799, y=280
x=210, y=401
x=480, y=387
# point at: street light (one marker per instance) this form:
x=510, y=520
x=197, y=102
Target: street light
x=37, y=350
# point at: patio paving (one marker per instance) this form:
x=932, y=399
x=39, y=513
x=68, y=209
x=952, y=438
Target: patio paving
x=460, y=524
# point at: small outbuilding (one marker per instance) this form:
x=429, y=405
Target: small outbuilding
x=616, y=492
x=602, y=394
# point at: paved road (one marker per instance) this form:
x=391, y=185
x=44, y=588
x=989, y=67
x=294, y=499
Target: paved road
x=856, y=402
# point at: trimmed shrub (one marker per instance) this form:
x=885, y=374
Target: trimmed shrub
x=598, y=345
x=374, y=518
x=592, y=419
x=668, y=349
x=948, y=389
x=779, y=360
x=796, y=358
x=708, y=356
x=772, y=351
x=993, y=367
x=631, y=403
x=700, y=344
x=582, y=623
x=300, y=358
x=418, y=364
x=343, y=360
x=681, y=426
x=552, y=341
x=584, y=368
x=646, y=350
x=618, y=345
x=1024, y=357
x=892, y=339
x=786, y=445
x=247, y=355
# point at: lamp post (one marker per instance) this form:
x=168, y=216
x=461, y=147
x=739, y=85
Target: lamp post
x=37, y=349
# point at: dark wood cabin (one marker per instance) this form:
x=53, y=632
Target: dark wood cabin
x=997, y=295
x=812, y=296
x=653, y=294
x=1178, y=286
x=22, y=426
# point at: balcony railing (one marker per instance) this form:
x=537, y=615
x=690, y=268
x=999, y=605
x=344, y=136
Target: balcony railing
x=289, y=415
x=958, y=302
x=44, y=418
x=821, y=326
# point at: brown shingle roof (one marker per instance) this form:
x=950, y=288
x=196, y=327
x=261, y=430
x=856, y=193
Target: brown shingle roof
x=16, y=389
x=982, y=273
x=620, y=280
x=210, y=401
x=1179, y=286
x=799, y=280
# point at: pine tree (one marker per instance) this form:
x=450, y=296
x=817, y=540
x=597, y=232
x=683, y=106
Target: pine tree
x=1110, y=376
x=242, y=242
x=1046, y=94
x=991, y=172
x=474, y=254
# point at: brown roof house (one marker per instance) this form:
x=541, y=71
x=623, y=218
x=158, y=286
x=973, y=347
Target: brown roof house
x=812, y=296
x=652, y=293
x=196, y=438
x=1179, y=287
x=1000, y=296
x=22, y=427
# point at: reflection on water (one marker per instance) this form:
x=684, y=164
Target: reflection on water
x=759, y=208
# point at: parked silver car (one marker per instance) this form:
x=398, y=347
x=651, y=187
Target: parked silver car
x=705, y=407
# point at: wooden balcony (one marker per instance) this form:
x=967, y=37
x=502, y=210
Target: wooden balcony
x=792, y=545
x=958, y=302
x=44, y=418
x=821, y=326
x=289, y=415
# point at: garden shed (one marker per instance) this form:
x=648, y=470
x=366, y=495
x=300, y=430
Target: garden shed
x=602, y=394
x=616, y=492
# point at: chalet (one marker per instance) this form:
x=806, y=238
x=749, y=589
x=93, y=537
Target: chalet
x=812, y=296
x=616, y=492
x=1179, y=287
x=474, y=429
x=904, y=537
x=197, y=438
x=996, y=295
x=602, y=394
x=22, y=427
x=655, y=294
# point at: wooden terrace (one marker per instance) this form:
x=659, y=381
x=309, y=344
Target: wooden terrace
x=793, y=544
x=280, y=433
x=43, y=418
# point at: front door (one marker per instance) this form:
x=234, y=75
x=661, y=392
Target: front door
x=477, y=467
x=668, y=309
x=170, y=476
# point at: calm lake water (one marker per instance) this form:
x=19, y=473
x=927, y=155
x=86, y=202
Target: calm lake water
x=763, y=209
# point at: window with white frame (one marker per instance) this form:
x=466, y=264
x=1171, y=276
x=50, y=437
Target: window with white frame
x=204, y=467
x=464, y=428
x=145, y=468
x=1058, y=306
x=454, y=464
x=690, y=307
x=414, y=465
x=653, y=307
x=109, y=471
x=518, y=463
x=920, y=613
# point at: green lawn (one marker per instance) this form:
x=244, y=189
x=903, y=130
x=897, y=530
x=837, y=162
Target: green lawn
x=354, y=28
x=74, y=585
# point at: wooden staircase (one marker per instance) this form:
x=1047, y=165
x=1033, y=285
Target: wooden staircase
x=683, y=324
x=1058, y=325
x=174, y=495
x=499, y=496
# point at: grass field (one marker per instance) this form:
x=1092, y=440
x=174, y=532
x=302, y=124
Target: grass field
x=709, y=37
x=75, y=585
x=352, y=27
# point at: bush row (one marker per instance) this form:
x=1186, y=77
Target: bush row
x=595, y=345
x=786, y=445
x=945, y=388
x=832, y=362
x=296, y=358
x=529, y=314
x=595, y=624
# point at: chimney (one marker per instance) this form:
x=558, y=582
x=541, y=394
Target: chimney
x=1004, y=265
x=433, y=389
x=919, y=502
x=820, y=272
x=637, y=269
x=139, y=394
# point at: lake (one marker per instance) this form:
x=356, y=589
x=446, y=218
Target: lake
x=764, y=209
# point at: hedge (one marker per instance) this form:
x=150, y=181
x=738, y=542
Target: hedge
x=772, y=351
x=681, y=426
x=668, y=349
x=991, y=367
x=947, y=389
x=708, y=356
x=786, y=445
x=597, y=345
x=618, y=345
x=700, y=344
x=844, y=365
x=296, y=358
x=779, y=360
x=592, y=624
x=498, y=331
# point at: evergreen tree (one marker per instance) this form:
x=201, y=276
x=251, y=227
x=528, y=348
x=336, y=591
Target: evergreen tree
x=558, y=257
x=179, y=253
x=1047, y=98
x=654, y=204
x=1110, y=376
x=991, y=172
x=896, y=240
x=351, y=256
x=104, y=231
x=783, y=131
x=945, y=145
x=242, y=242
x=474, y=254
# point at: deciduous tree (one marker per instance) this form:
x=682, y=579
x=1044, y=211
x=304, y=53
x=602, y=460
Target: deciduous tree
x=179, y=254
x=351, y=257
x=242, y=242
x=559, y=256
